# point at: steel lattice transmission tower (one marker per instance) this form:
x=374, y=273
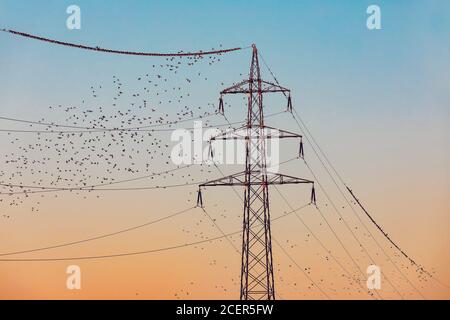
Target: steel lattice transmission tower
x=257, y=279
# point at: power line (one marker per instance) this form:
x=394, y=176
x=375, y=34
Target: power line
x=91, y=188
x=189, y=244
x=300, y=268
x=66, y=244
x=328, y=251
x=122, y=52
x=347, y=226
x=393, y=243
x=350, y=205
x=25, y=192
x=136, y=252
x=220, y=229
x=94, y=185
x=68, y=132
x=100, y=129
x=306, y=131
x=284, y=93
x=353, y=210
x=382, y=231
x=342, y=181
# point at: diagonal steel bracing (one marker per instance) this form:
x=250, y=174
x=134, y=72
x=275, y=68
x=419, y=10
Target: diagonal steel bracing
x=257, y=279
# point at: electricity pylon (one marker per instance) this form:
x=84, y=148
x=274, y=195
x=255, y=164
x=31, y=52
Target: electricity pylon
x=257, y=279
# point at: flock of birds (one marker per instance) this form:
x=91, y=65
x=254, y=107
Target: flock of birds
x=94, y=143
x=117, y=133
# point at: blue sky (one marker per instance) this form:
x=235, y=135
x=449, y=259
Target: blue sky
x=341, y=73
x=306, y=42
x=389, y=85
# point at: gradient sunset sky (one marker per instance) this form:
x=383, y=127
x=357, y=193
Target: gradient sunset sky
x=377, y=102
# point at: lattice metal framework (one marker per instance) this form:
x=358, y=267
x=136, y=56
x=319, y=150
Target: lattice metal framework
x=257, y=277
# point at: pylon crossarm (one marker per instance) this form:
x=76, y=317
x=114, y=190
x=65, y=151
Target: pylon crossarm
x=257, y=274
x=244, y=87
x=235, y=134
x=238, y=179
x=231, y=180
x=272, y=87
x=237, y=88
x=282, y=133
x=278, y=178
x=230, y=134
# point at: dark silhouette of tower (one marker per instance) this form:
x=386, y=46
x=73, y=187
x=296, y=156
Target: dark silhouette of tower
x=257, y=278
